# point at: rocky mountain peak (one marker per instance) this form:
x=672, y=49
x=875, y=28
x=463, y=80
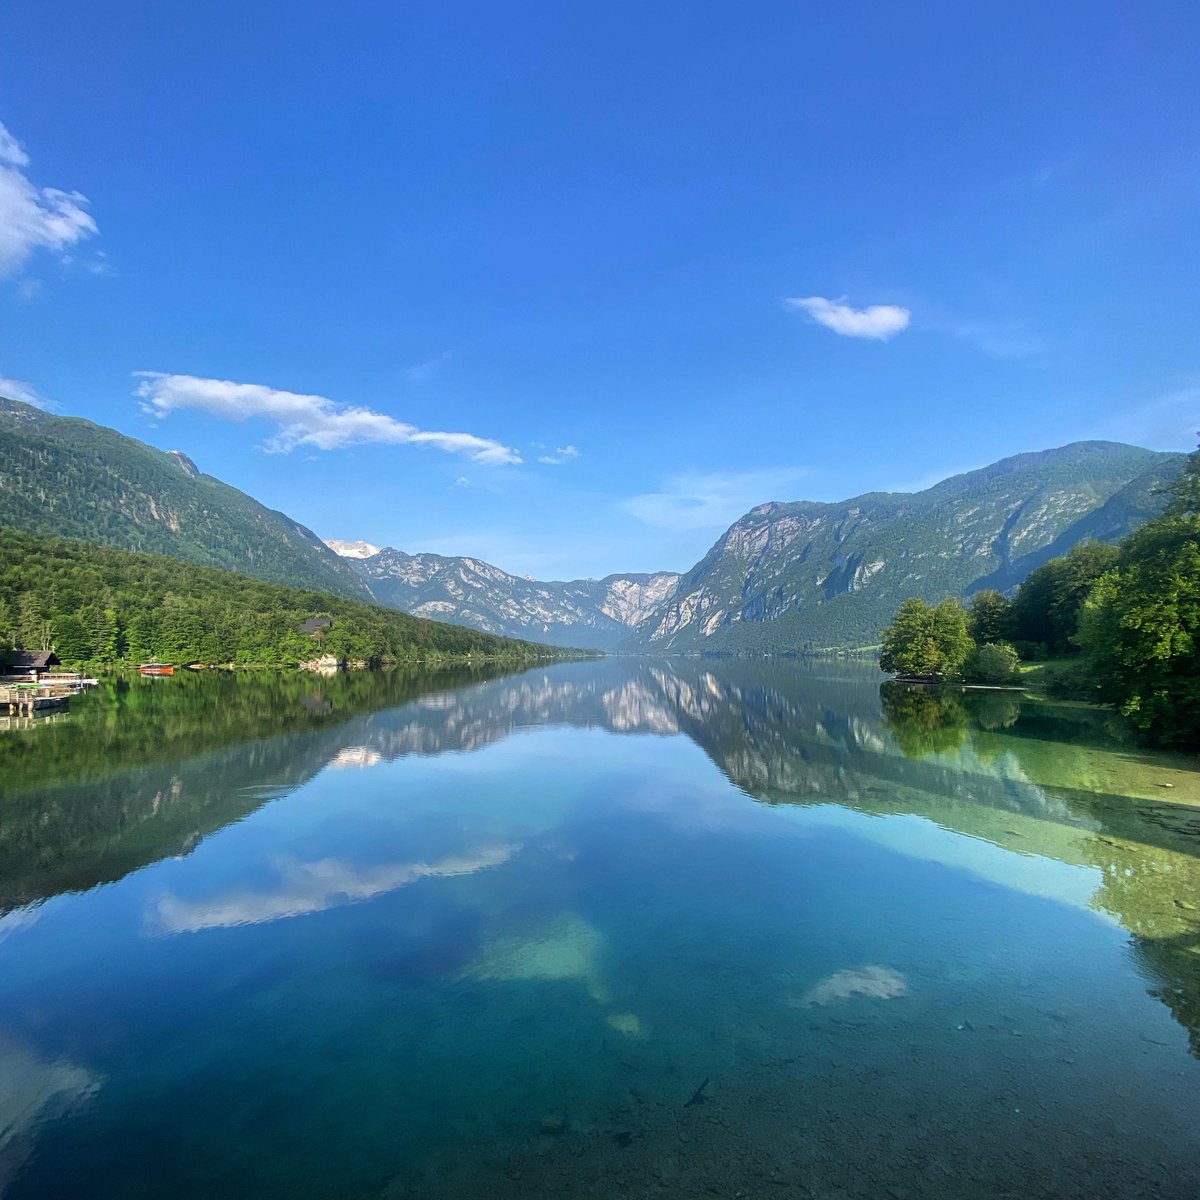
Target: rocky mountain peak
x=189, y=467
x=351, y=549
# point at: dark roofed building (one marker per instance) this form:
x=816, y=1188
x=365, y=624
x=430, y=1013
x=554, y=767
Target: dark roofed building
x=315, y=625
x=29, y=662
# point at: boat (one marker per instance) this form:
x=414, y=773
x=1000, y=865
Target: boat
x=154, y=670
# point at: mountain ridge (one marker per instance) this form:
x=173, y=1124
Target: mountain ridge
x=69, y=477
x=583, y=613
x=813, y=575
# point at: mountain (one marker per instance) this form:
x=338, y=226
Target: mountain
x=352, y=549
x=65, y=477
x=586, y=613
x=808, y=575
x=105, y=605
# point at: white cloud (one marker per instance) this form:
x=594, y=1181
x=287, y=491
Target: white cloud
x=32, y=217
x=561, y=454
x=17, y=389
x=697, y=500
x=304, y=420
x=878, y=321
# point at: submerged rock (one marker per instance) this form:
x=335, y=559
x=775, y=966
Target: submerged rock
x=880, y=983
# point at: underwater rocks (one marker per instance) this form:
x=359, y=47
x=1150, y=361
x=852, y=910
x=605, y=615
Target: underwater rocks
x=879, y=983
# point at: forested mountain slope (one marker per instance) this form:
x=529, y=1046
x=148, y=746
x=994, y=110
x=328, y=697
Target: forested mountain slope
x=98, y=604
x=66, y=477
x=808, y=575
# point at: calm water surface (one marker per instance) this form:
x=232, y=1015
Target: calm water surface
x=604, y=929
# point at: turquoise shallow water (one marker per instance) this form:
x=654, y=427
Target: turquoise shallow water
x=614, y=928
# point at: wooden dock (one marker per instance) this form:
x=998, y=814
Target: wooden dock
x=27, y=699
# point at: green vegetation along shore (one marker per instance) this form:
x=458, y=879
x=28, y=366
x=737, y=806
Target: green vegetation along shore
x=103, y=607
x=1118, y=625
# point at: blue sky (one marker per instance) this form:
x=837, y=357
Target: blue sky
x=360, y=259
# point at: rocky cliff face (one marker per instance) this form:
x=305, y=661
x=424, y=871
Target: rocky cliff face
x=807, y=576
x=587, y=613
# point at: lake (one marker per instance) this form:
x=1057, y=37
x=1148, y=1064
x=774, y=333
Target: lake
x=611, y=928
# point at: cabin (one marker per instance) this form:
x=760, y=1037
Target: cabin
x=315, y=625
x=28, y=664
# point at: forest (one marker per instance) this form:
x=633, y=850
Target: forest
x=1114, y=624
x=99, y=606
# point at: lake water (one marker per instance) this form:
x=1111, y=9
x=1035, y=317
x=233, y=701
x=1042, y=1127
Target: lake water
x=616, y=928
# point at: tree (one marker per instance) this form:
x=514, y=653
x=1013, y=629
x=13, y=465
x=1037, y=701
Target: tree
x=991, y=617
x=1141, y=630
x=952, y=636
x=926, y=641
x=995, y=663
x=909, y=646
x=1048, y=606
x=1183, y=493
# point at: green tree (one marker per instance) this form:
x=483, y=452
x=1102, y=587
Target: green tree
x=927, y=641
x=1050, y=601
x=990, y=618
x=71, y=641
x=1183, y=494
x=1141, y=625
x=953, y=638
x=909, y=646
x=34, y=631
x=995, y=663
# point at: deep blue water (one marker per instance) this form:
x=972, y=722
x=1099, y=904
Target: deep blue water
x=614, y=928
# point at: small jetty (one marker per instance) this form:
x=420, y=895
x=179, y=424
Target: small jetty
x=29, y=699
x=34, y=684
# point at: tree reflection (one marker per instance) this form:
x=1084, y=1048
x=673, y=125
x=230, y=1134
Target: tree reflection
x=923, y=720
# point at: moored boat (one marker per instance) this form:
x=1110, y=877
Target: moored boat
x=154, y=670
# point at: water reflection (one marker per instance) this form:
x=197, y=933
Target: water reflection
x=311, y=887
x=34, y=1089
x=501, y=933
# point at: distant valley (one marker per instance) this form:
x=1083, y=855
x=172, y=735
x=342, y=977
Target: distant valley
x=805, y=576
x=588, y=613
x=801, y=576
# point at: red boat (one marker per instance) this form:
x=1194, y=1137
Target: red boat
x=155, y=669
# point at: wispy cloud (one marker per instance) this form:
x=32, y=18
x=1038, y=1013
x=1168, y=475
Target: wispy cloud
x=1053, y=172
x=17, y=389
x=560, y=455
x=303, y=420
x=999, y=340
x=32, y=217
x=878, y=322
x=421, y=371
x=1170, y=422
x=312, y=887
x=698, y=500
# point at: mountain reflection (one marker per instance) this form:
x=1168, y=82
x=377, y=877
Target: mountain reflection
x=141, y=773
